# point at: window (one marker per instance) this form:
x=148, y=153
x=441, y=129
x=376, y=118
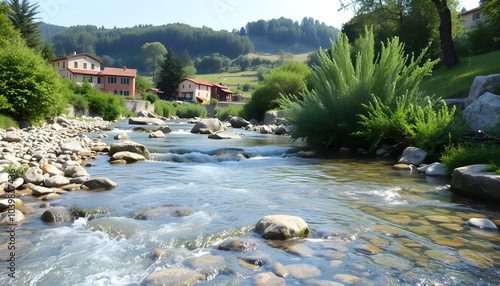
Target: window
x=98, y=80
x=125, y=80
x=189, y=86
x=182, y=86
x=64, y=65
x=112, y=80
x=121, y=92
x=84, y=66
x=57, y=64
x=90, y=79
x=75, y=65
x=92, y=67
x=124, y=92
x=115, y=92
x=476, y=16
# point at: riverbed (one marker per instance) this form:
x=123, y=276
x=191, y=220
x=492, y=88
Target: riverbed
x=370, y=224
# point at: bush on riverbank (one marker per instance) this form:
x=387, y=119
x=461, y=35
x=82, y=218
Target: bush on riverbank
x=467, y=154
x=233, y=109
x=164, y=108
x=380, y=90
x=7, y=122
x=190, y=110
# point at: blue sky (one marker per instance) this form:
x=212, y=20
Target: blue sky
x=216, y=14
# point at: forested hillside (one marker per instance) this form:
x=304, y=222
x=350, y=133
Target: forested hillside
x=283, y=30
x=49, y=30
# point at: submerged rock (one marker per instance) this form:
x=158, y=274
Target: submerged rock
x=482, y=223
x=173, y=276
x=128, y=146
x=100, y=184
x=281, y=227
x=130, y=157
x=157, y=134
x=268, y=279
x=224, y=135
x=55, y=215
x=207, y=126
x=121, y=136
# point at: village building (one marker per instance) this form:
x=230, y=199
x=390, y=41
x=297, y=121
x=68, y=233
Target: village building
x=222, y=93
x=78, y=67
x=195, y=89
x=472, y=17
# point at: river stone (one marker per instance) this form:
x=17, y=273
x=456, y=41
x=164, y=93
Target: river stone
x=472, y=181
x=165, y=129
x=446, y=241
x=258, y=258
x=245, y=264
x=482, y=223
x=480, y=259
x=51, y=170
x=4, y=204
x=265, y=279
x=236, y=245
x=100, y=184
x=56, y=181
x=402, y=167
x=224, y=135
x=207, y=126
x=278, y=269
x=145, y=113
x=480, y=86
x=238, y=122
x=173, y=276
x=34, y=176
x=322, y=282
x=307, y=154
x=207, y=264
x=145, y=121
x=11, y=217
x=367, y=248
x=157, y=134
x=73, y=147
x=118, y=162
x=301, y=250
x=128, y=146
x=40, y=191
x=482, y=114
x=48, y=197
x=75, y=172
x=158, y=254
x=78, y=180
x=55, y=215
x=392, y=261
x=25, y=209
x=130, y=157
x=274, y=117
x=441, y=256
x=302, y=271
x=266, y=129
x=281, y=227
x=10, y=137
x=348, y=279
x=121, y=136
x=413, y=155
x=387, y=229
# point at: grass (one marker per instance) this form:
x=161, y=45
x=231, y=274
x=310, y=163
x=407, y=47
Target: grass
x=493, y=168
x=300, y=58
x=231, y=79
x=448, y=83
x=466, y=154
x=7, y=122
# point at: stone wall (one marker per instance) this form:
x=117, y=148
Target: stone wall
x=137, y=105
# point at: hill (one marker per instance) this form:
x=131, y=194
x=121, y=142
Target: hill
x=49, y=30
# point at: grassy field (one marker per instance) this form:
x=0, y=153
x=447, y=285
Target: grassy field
x=300, y=58
x=231, y=79
x=448, y=83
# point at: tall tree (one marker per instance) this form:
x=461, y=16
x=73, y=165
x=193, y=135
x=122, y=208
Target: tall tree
x=170, y=75
x=48, y=51
x=23, y=17
x=447, y=45
x=491, y=11
x=152, y=54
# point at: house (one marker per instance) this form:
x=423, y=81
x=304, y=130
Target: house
x=195, y=89
x=158, y=92
x=78, y=67
x=471, y=18
x=222, y=93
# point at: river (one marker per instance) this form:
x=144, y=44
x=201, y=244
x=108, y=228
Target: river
x=370, y=224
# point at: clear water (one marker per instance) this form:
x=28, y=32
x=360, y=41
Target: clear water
x=225, y=187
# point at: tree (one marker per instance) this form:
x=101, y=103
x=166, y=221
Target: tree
x=170, y=75
x=6, y=29
x=48, y=51
x=152, y=54
x=142, y=84
x=445, y=33
x=23, y=16
x=491, y=10
x=186, y=59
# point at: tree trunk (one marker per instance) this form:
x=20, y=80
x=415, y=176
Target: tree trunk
x=447, y=46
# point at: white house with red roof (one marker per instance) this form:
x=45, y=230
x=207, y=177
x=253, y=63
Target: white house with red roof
x=471, y=18
x=78, y=67
x=195, y=89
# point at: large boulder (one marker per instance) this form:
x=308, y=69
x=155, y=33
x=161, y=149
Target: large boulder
x=75, y=172
x=274, y=117
x=480, y=86
x=472, y=181
x=145, y=121
x=413, y=155
x=73, y=147
x=281, y=227
x=157, y=134
x=100, y=184
x=224, y=135
x=482, y=114
x=165, y=129
x=122, y=136
x=145, y=113
x=34, y=176
x=238, y=122
x=207, y=126
x=130, y=157
x=56, y=181
x=55, y=215
x=128, y=146
x=173, y=276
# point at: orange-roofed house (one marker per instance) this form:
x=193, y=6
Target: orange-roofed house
x=195, y=89
x=78, y=67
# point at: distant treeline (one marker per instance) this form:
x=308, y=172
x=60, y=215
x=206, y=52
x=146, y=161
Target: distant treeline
x=283, y=30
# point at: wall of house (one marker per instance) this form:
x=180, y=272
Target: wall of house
x=202, y=91
x=81, y=60
x=470, y=22
x=118, y=86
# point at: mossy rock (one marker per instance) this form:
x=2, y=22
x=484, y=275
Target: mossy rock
x=144, y=129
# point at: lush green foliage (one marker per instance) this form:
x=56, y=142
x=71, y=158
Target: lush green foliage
x=493, y=167
x=233, y=109
x=23, y=16
x=151, y=97
x=16, y=172
x=164, y=108
x=285, y=30
x=6, y=28
x=48, y=52
x=460, y=155
x=188, y=110
x=491, y=10
x=170, y=75
x=152, y=55
x=7, y=122
x=29, y=84
x=142, y=84
x=214, y=102
x=289, y=79
x=343, y=87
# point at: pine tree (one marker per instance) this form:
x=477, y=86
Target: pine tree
x=48, y=51
x=170, y=75
x=23, y=16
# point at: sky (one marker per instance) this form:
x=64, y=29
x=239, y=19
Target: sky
x=216, y=14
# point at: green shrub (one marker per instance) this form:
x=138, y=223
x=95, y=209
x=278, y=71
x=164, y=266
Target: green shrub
x=164, y=108
x=151, y=97
x=493, y=167
x=342, y=89
x=233, y=109
x=456, y=156
x=246, y=87
x=187, y=110
x=78, y=100
x=214, y=102
x=16, y=172
x=7, y=122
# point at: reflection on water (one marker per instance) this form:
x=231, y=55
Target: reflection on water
x=370, y=224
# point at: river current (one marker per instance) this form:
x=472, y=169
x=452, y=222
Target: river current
x=370, y=224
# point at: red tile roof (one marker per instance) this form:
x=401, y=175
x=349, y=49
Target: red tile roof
x=72, y=56
x=120, y=72
x=87, y=72
x=197, y=81
x=471, y=11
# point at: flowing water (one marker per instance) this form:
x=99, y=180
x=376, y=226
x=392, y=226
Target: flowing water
x=371, y=225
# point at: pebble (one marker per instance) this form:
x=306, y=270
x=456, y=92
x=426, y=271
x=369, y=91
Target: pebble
x=367, y=248
x=302, y=271
x=347, y=278
x=441, y=256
